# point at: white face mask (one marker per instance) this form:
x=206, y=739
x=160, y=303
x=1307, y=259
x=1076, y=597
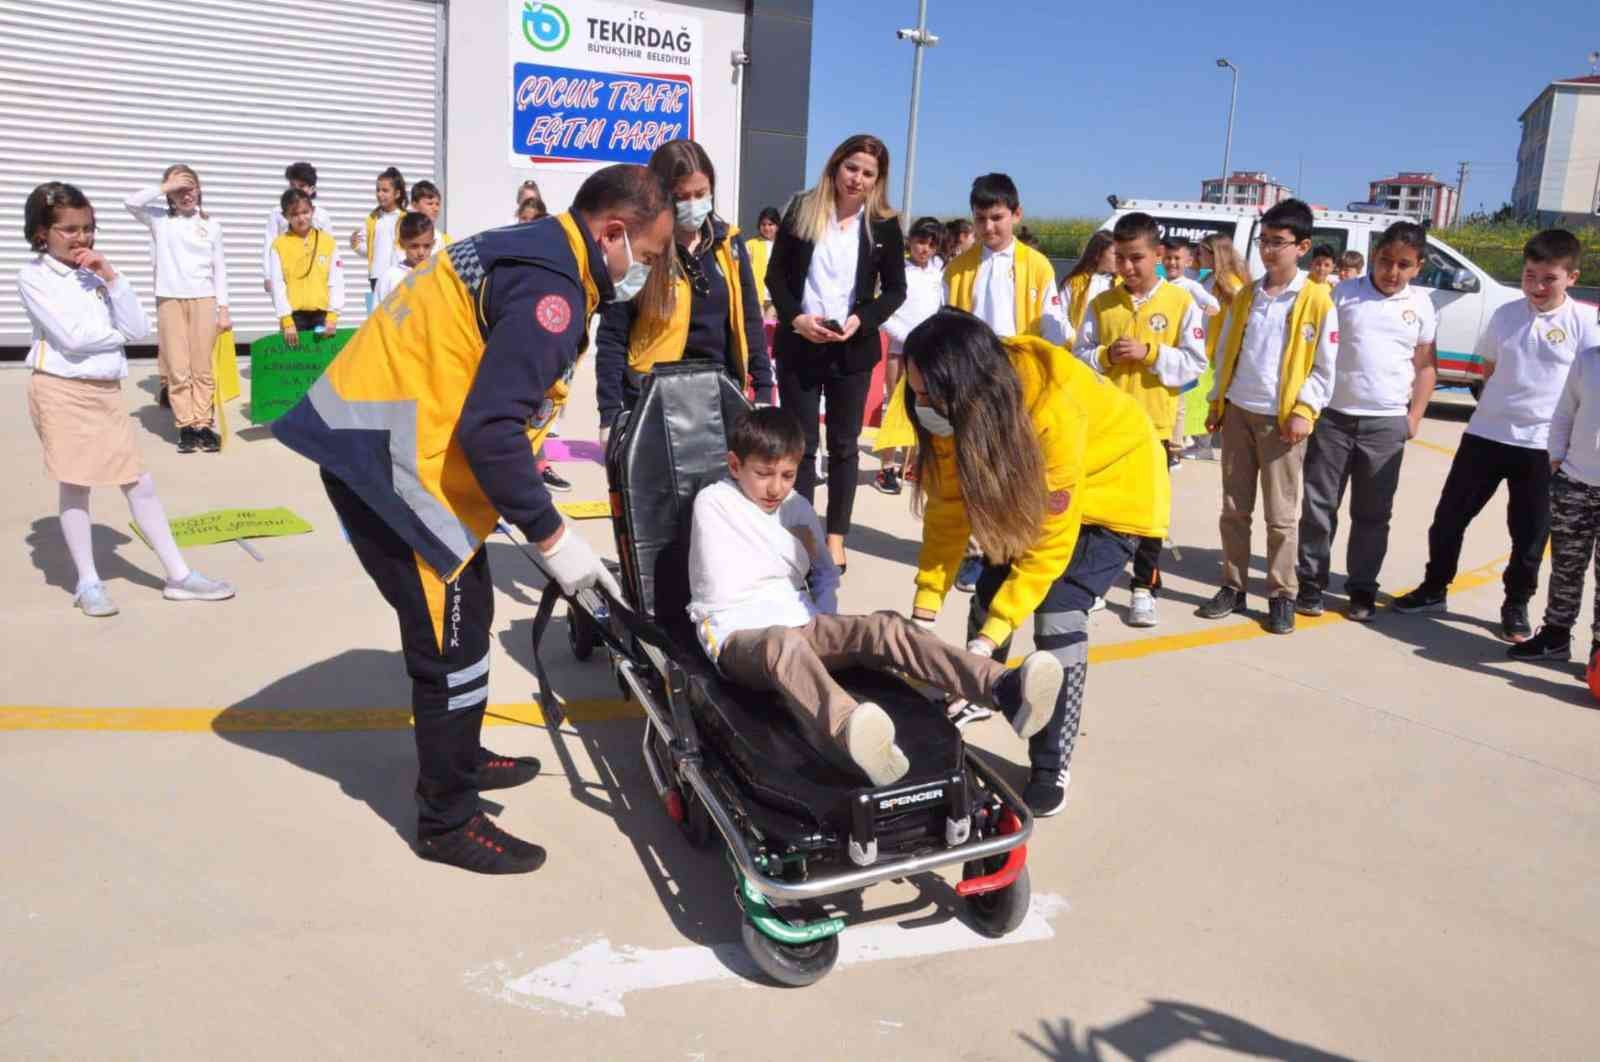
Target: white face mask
x=936, y=423
x=692, y=213
x=633, y=280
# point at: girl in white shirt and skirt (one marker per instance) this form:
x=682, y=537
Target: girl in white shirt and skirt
x=191, y=299
x=83, y=313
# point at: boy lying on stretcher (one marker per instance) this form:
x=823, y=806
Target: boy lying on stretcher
x=753, y=544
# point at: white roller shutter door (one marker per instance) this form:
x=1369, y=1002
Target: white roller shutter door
x=107, y=95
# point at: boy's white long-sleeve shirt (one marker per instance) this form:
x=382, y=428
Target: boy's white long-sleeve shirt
x=393, y=278
x=1575, y=426
x=277, y=225
x=748, y=567
x=81, y=324
x=1202, y=298
x=924, y=296
x=189, y=262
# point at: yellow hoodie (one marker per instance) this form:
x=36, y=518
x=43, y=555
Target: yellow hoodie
x=1104, y=465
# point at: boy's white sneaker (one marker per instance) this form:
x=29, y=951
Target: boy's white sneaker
x=1098, y=605
x=1142, y=610
x=1039, y=678
x=95, y=601
x=869, y=740
x=196, y=587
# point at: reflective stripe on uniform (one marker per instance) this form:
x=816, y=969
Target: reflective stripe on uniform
x=468, y=699
x=467, y=674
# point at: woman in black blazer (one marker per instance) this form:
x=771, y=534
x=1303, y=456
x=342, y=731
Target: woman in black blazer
x=838, y=271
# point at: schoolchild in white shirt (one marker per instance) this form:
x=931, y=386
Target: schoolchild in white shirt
x=303, y=177
x=417, y=240
x=375, y=238
x=1177, y=258
x=1527, y=349
x=764, y=627
x=1383, y=377
x=191, y=298
x=426, y=199
x=924, y=296
x=83, y=314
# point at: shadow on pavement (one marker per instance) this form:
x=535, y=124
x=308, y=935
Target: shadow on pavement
x=1163, y=1025
x=1440, y=638
x=375, y=766
x=48, y=551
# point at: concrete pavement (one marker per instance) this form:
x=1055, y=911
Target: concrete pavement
x=1369, y=842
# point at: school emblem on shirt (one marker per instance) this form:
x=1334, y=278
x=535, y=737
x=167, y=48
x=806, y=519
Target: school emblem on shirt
x=322, y=260
x=1058, y=502
x=1556, y=335
x=553, y=314
x=1307, y=332
x=1158, y=322
x=1409, y=317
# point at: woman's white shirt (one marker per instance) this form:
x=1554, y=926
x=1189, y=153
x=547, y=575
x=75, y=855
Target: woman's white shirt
x=831, y=280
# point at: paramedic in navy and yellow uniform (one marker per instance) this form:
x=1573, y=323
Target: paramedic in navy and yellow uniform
x=425, y=427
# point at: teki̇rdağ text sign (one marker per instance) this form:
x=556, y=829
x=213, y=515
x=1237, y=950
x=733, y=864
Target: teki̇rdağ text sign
x=599, y=83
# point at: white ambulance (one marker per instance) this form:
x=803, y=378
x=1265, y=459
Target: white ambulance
x=1463, y=293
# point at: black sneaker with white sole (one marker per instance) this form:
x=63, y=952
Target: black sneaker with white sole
x=483, y=848
x=1514, y=625
x=554, y=480
x=188, y=440
x=1551, y=643
x=1308, y=602
x=1423, y=599
x=210, y=441
x=1046, y=792
x=1363, y=607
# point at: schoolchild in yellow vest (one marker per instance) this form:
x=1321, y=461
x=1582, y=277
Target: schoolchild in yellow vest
x=1092, y=273
x=376, y=237
x=1275, y=373
x=981, y=404
x=425, y=427
x=425, y=199
x=1008, y=285
x=701, y=303
x=1147, y=339
x=761, y=253
x=307, y=272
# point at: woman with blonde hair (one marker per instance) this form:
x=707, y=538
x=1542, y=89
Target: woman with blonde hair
x=1055, y=474
x=838, y=272
x=701, y=302
x=1229, y=273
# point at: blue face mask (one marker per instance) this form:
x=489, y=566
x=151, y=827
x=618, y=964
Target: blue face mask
x=692, y=213
x=936, y=423
x=634, y=279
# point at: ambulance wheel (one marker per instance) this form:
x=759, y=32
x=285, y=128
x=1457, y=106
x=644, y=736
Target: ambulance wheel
x=580, y=635
x=794, y=965
x=994, y=914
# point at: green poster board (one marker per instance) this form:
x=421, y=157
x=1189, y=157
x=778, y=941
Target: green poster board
x=280, y=375
x=225, y=525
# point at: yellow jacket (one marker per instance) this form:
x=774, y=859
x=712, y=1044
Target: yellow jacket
x=652, y=340
x=384, y=415
x=1035, y=284
x=1303, y=330
x=1214, y=331
x=1104, y=465
x=1160, y=321
x=1077, y=292
x=760, y=254
x=313, y=276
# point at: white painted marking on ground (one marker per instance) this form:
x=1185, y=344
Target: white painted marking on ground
x=595, y=978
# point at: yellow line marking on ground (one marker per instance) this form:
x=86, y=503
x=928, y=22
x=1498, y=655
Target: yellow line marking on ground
x=528, y=713
x=1435, y=447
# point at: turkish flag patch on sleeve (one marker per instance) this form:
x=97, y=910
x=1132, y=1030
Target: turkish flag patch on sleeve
x=1199, y=333
x=1058, y=501
x=553, y=313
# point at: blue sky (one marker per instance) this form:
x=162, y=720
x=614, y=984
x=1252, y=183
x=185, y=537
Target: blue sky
x=1078, y=100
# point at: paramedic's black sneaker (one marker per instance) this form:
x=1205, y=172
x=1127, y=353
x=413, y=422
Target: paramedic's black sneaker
x=887, y=481
x=188, y=440
x=1363, y=607
x=1280, y=616
x=1224, y=602
x=1308, y=602
x=967, y=574
x=209, y=440
x=1514, y=625
x=869, y=742
x=1046, y=792
x=555, y=480
x=483, y=848
x=503, y=772
x=1551, y=643
x=1423, y=599
x=1027, y=695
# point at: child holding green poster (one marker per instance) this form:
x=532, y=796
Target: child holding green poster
x=83, y=314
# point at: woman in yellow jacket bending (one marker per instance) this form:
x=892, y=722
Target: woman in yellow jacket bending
x=1056, y=473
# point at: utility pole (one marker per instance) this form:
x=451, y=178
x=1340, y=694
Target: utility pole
x=1461, y=187
x=1227, y=145
x=920, y=38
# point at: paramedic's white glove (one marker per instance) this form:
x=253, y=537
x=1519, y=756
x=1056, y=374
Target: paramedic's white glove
x=981, y=646
x=574, y=564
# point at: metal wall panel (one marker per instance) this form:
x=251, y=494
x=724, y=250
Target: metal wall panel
x=107, y=95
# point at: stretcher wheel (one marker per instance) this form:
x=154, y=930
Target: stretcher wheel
x=795, y=965
x=581, y=635
x=994, y=914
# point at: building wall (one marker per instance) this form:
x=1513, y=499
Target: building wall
x=1531, y=154
x=777, y=100
x=1558, y=160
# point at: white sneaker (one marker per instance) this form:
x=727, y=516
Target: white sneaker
x=196, y=587
x=869, y=739
x=1041, y=677
x=1099, y=605
x=1142, y=611
x=963, y=713
x=95, y=601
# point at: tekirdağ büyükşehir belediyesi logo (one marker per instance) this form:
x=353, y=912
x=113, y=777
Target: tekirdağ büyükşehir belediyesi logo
x=545, y=26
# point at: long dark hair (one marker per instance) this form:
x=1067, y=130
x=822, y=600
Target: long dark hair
x=672, y=161
x=1089, y=260
x=289, y=198
x=39, y=212
x=1000, y=466
x=398, y=183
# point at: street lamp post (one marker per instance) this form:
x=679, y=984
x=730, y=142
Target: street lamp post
x=1227, y=145
x=920, y=38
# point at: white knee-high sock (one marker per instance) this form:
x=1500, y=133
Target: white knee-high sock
x=75, y=528
x=152, y=520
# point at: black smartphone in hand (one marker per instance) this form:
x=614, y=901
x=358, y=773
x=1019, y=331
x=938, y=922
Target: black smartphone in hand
x=833, y=326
